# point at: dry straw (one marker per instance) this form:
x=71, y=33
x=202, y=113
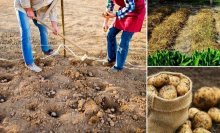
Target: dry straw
x=199, y=33
x=157, y=16
x=163, y=36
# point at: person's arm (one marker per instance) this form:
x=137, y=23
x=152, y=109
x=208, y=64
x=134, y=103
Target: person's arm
x=109, y=8
x=53, y=14
x=105, y=25
x=110, y=5
x=129, y=7
x=53, y=19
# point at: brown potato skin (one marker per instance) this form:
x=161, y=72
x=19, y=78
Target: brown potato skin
x=188, y=122
x=151, y=80
x=185, y=128
x=161, y=80
x=205, y=98
x=182, y=88
x=201, y=130
x=203, y=120
x=192, y=112
x=168, y=92
x=185, y=80
x=217, y=92
x=214, y=113
x=174, y=80
x=151, y=89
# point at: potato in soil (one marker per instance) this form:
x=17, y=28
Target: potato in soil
x=203, y=120
x=214, y=113
x=201, y=130
x=174, y=80
x=183, y=87
x=192, y=112
x=152, y=90
x=161, y=80
x=168, y=92
x=205, y=98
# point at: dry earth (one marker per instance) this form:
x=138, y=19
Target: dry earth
x=69, y=95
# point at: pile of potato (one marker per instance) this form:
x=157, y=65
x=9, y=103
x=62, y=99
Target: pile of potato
x=168, y=86
x=205, y=112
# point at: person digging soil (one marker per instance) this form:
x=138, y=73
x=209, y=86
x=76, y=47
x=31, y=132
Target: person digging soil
x=30, y=9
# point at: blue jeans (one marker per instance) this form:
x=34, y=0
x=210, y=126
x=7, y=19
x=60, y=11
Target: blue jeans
x=118, y=53
x=26, y=37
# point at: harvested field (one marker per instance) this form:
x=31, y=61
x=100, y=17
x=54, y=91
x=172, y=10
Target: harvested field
x=199, y=31
x=198, y=34
x=156, y=16
x=163, y=35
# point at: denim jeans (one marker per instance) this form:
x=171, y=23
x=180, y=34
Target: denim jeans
x=118, y=53
x=26, y=37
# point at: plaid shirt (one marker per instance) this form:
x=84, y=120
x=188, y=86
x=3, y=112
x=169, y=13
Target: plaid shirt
x=129, y=7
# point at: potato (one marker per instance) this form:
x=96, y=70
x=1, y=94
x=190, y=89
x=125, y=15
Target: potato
x=151, y=89
x=185, y=80
x=185, y=128
x=214, y=113
x=205, y=98
x=188, y=122
x=182, y=88
x=174, y=80
x=151, y=80
x=161, y=80
x=192, y=112
x=200, y=130
x=203, y=120
x=168, y=92
x=217, y=92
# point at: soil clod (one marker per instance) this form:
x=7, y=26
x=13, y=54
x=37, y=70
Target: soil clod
x=33, y=107
x=112, y=124
x=51, y=93
x=2, y=99
x=73, y=104
x=90, y=74
x=135, y=117
x=1, y=118
x=53, y=114
x=5, y=78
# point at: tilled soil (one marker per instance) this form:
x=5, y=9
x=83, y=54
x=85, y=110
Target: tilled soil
x=71, y=96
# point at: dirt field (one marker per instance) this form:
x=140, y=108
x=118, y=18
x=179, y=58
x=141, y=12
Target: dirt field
x=70, y=95
x=200, y=77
